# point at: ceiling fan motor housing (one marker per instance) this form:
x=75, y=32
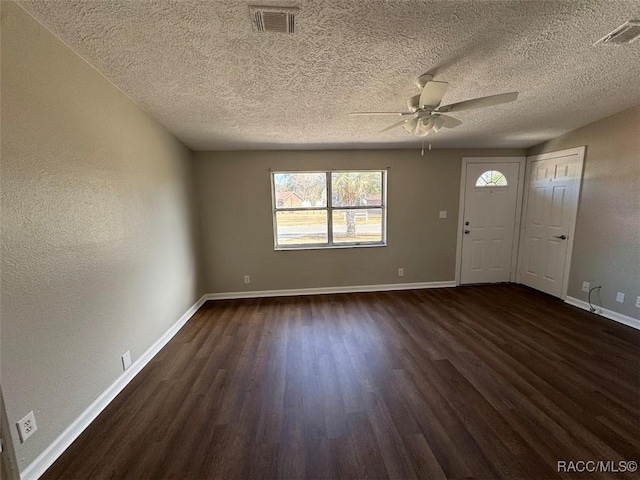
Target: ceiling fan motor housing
x=423, y=79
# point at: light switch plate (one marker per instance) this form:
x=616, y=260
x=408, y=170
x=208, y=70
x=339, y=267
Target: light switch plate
x=443, y=214
x=620, y=297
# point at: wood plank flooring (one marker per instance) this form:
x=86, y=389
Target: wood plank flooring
x=477, y=382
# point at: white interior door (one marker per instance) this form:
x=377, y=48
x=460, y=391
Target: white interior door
x=489, y=214
x=551, y=205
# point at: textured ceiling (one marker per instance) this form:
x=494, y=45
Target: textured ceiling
x=202, y=71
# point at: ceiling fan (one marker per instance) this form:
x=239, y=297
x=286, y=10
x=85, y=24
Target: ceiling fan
x=425, y=113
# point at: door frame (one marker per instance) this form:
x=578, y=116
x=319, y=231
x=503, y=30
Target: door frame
x=516, y=226
x=579, y=151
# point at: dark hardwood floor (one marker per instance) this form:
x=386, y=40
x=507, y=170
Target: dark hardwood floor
x=475, y=382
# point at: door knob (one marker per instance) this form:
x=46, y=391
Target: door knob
x=561, y=237
x=466, y=223
x=467, y=232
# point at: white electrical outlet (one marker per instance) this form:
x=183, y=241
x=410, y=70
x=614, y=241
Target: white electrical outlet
x=638, y=301
x=247, y=279
x=585, y=286
x=401, y=272
x=27, y=427
x=620, y=297
x=126, y=360
x=443, y=214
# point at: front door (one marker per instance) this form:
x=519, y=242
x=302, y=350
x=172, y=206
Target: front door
x=490, y=199
x=551, y=205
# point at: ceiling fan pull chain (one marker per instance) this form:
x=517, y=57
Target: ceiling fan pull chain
x=429, y=146
x=422, y=152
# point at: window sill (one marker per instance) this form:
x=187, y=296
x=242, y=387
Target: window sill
x=331, y=247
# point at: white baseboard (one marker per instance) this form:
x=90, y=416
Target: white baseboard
x=603, y=312
x=36, y=468
x=327, y=290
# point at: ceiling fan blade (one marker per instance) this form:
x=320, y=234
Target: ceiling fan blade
x=449, y=122
x=432, y=93
x=438, y=123
x=480, y=102
x=394, y=125
x=410, y=125
x=381, y=113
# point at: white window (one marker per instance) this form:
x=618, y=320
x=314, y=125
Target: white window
x=329, y=209
x=491, y=178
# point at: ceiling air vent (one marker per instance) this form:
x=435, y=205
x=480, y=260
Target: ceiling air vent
x=625, y=33
x=273, y=19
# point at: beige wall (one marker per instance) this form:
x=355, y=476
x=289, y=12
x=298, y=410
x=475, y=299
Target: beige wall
x=234, y=192
x=606, y=248
x=97, y=231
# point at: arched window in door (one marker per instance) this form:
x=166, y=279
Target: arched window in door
x=491, y=178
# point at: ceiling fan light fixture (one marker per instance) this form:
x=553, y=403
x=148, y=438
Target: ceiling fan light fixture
x=424, y=126
x=410, y=125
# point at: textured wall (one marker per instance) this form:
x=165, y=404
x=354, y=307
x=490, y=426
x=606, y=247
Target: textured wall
x=606, y=249
x=237, y=234
x=97, y=230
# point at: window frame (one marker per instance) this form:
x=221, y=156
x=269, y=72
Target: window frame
x=329, y=209
x=491, y=184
